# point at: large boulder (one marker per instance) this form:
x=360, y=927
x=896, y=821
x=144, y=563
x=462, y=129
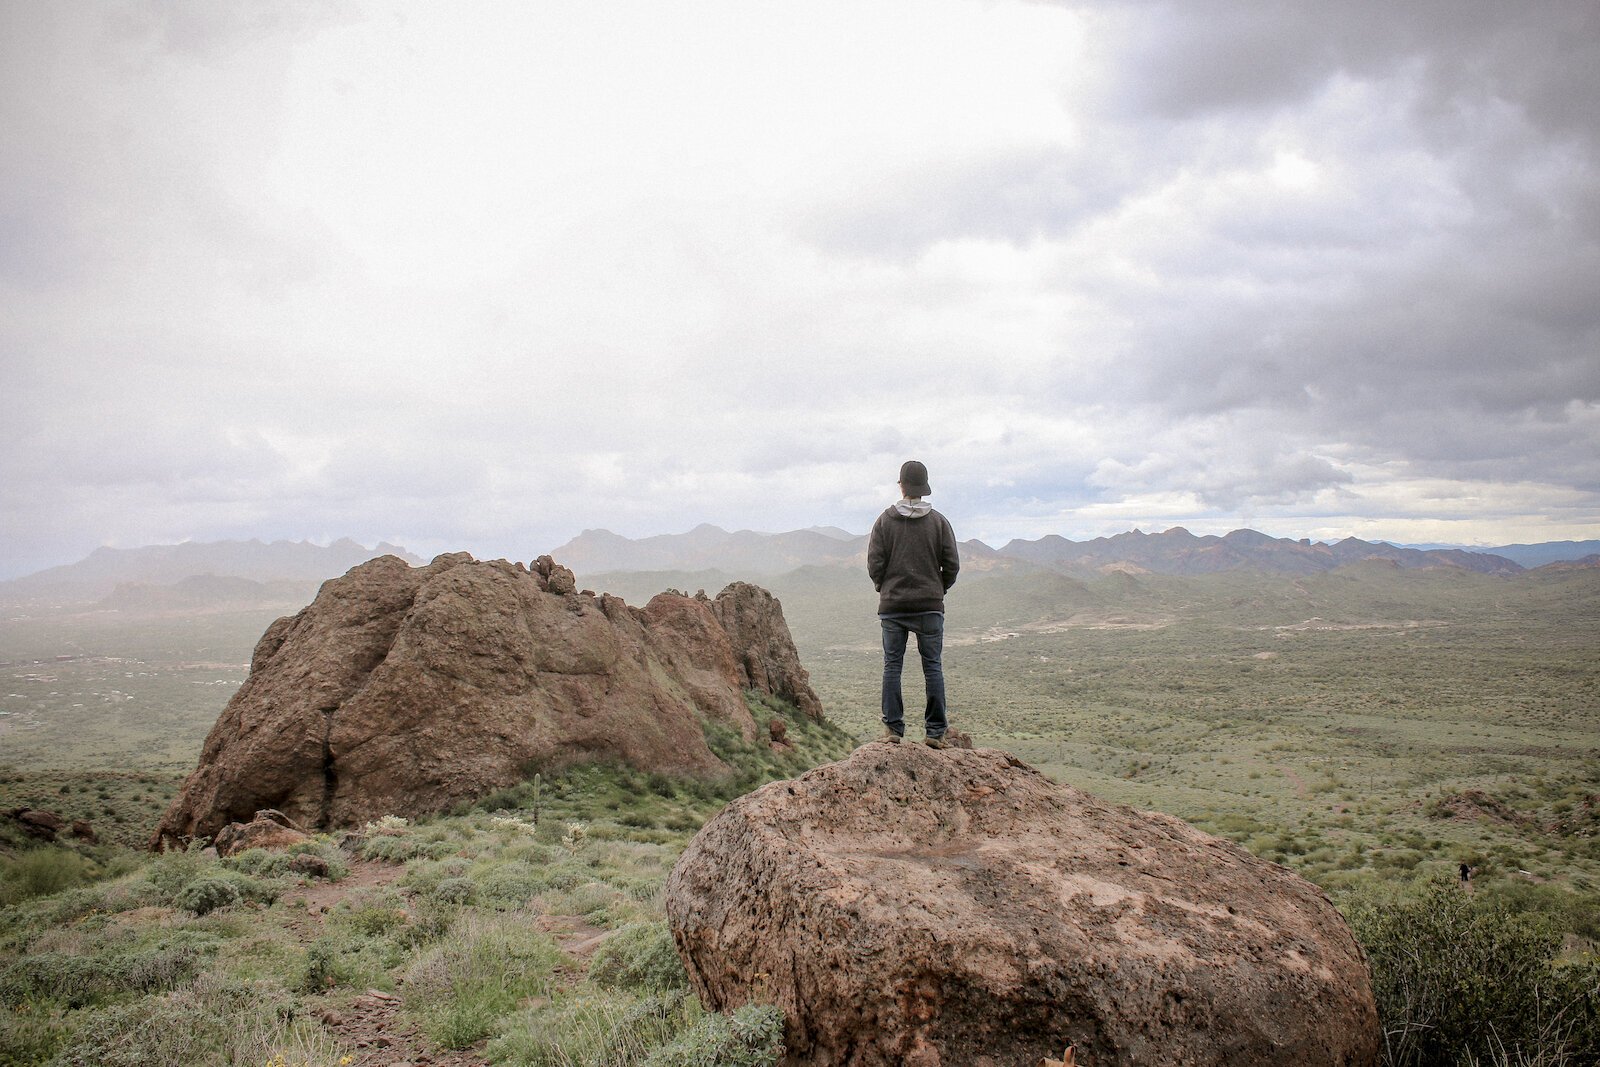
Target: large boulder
x=908, y=906
x=404, y=690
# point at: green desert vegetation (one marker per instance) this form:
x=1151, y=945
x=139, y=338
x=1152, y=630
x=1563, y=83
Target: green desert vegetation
x=1371, y=728
x=528, y=925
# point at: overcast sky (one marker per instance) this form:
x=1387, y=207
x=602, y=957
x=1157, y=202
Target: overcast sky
x=480, y=276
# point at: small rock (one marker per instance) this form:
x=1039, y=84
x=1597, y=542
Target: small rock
x=39, y=825
x=309, y=864
x=562, y=580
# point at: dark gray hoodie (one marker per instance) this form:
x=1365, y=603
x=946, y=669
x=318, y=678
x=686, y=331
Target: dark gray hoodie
x=912, y=558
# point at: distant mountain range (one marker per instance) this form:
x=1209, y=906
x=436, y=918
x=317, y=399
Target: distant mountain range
x=1542, y=554
x=226, y=574
x=1175, y=552
x=274, y=566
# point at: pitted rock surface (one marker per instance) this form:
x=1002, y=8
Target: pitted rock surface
x=956, y=907
x=404, y=690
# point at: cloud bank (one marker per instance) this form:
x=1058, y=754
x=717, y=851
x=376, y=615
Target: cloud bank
x=486, y=275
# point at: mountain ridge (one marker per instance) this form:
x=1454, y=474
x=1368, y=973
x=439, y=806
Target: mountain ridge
x=1174, y=551
x=99, y=574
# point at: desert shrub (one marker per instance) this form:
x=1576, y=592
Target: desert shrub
x=170, y=871
x=372, y=916
x=425, y=875
x=321, y=966
x=1457, y=975
x=456, y=890
x=21, y=923
x=260, y=862
x=78, y=980
x=166, y=1029
x=751, y=1037
x=506, y=798
x=40, y=872
x=215, y=1021
x=509, y=884
x=205, y=895
x=592, y=1029
x=639, y=956
x=28, y=1037
x=561, y=877
x=476, y=974
x=431, y=919
x=597, y=902
x=393, y=840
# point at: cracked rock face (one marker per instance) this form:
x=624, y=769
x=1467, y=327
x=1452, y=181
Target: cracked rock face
x=907, y=906
x=404, y=690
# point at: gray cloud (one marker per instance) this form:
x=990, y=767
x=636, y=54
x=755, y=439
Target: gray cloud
x=321, y=271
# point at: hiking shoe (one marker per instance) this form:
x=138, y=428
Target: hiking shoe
x=936, y=742
x=889, y=736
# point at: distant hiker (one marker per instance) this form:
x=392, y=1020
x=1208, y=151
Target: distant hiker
x=912, y=560
x=1466, y=875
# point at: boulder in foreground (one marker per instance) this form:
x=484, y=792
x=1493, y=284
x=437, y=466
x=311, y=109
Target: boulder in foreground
x=907, y=906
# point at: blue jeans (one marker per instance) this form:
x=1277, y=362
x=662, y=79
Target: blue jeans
x=929, y=628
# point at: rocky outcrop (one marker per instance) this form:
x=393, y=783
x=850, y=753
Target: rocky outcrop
x=404, y=690
x=763, y=650
x=36, y=823
x=269, y=829
x=956, y=907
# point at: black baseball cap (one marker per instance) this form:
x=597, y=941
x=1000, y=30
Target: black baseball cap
x=914, y=478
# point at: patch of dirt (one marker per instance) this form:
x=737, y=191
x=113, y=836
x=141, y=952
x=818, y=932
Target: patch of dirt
x=576, y=936
x=312, y=904
x=1476, y=804
x=1315, y=623
x=372, y=1025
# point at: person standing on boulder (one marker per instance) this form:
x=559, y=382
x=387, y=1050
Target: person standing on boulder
x=912, y=561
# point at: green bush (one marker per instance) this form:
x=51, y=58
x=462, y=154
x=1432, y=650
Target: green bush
x=751, y=1037
x=476, y=974
x=456, y=890
x=592, y=1030
x=510, y=884
x=28, y=1037
x=217, y=1021
x=373, y=916
x=640, y=956
x=1457, y=975
x=205, y=895
x=40, y=872
x=75, y=981
x=397, y=848
x=260, y=862
x=170, y=871
x=158, y=1030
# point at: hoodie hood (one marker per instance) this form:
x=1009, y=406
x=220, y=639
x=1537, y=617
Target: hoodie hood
x=912, y=509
